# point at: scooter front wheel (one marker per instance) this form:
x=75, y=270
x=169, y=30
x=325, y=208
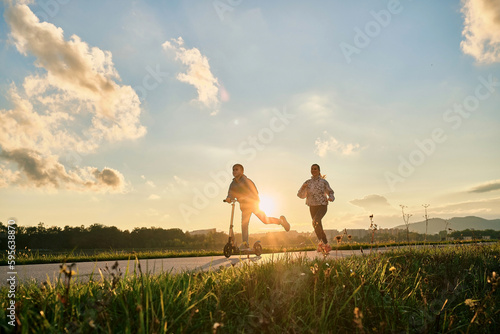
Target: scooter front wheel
x=257, y=247
x=228, y=250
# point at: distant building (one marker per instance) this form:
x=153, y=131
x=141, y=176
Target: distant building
x=202, y=232
x=357, y=232
x=331, y=234
x=390, y=231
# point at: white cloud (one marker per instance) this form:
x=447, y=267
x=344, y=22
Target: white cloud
x=329, y=144
x=486, y=187
x=482, y=30
x=487, y=208
x=8, y=176
x=79, y=87
x=149, y=183
x=197, y=74
x=371, y=202
x=45, y=171
x=180, y=181
x=317, y=106
x=176, y=187
x=154, y=197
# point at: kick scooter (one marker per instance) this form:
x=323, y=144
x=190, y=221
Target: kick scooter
x=231, y=248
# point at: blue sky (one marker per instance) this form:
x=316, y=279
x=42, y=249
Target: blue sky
x=131, y=113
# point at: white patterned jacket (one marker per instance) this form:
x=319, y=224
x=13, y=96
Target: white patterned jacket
x=316, y=191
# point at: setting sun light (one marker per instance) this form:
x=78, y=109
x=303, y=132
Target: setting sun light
x=266, y=204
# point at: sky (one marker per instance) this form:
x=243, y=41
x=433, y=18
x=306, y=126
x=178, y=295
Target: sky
x=131, y=113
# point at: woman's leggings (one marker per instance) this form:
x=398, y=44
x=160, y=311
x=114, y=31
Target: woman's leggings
x=317, y=213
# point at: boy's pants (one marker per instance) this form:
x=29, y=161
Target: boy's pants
x=246, y=212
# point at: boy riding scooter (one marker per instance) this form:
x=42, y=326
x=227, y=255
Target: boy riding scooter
x=246, y=192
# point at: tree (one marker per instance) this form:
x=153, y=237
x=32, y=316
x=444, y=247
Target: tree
x=447, y=222
x=426, y=219
x=406, y=219
x=373, y=228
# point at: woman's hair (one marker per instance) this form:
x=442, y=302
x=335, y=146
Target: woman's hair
x=319, y=170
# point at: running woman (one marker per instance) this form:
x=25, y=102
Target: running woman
x=317, y=193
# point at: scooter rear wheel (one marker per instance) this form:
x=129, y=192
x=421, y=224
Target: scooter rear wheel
x=228, y=250
x=257, y=248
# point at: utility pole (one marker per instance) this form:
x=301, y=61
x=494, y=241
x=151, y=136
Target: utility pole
x=426, y=220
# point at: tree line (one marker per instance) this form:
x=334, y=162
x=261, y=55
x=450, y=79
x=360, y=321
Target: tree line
x=403, y=235
x=475, y=234
x=98, y=236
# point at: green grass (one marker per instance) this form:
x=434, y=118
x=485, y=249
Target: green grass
x=414, y=290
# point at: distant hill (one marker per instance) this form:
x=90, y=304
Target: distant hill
x=457, y=224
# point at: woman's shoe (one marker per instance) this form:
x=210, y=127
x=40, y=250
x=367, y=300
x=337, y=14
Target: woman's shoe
x=320, y=247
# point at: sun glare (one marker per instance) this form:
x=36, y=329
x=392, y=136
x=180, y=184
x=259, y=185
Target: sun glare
x=266, y=204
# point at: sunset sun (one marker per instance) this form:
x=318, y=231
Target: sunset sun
x=267, y=204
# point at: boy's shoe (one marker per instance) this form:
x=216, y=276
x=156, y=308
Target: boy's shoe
x=327, y=248
x=244, y=246
x=284, y=223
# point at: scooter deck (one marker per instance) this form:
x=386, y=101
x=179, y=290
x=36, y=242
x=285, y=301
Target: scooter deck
x=232, y=250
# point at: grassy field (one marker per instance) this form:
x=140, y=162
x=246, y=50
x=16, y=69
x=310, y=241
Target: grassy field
x=414, y=290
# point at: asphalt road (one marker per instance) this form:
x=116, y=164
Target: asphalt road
x=86, y=270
